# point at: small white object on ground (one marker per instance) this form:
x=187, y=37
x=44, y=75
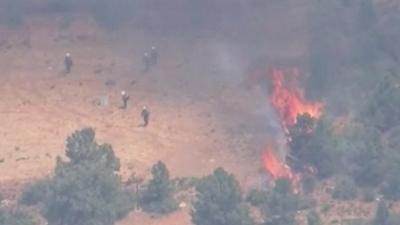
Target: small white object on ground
x=182, y=205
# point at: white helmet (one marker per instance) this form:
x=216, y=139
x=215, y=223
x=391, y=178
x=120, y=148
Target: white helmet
x=144, y=107
x=123, y=93
x=146, y=54
x=68, y=54
x=153, y=48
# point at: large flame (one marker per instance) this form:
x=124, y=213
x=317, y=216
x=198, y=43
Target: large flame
x=278, y=169
x=289, y=101
x=273, y=165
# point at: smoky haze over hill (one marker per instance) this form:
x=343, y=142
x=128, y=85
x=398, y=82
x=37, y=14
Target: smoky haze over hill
x=332, y=41
x=341, y=48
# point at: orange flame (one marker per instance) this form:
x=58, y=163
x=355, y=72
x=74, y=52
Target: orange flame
x=289, y=102
x=278, y=169
x=274, y=166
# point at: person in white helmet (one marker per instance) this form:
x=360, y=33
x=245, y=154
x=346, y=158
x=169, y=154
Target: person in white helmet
x=68, y=62
x=146, y=116
x=146, y=62
x=125, y=99
x=153, y=55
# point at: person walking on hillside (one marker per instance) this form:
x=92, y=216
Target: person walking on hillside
x=146, y=116
x=68, y=63
x=146, y=62
x=125, y=99
x=154, y=56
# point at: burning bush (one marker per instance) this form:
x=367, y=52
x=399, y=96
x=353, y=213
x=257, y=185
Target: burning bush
x=297, y=117
x=288, y=100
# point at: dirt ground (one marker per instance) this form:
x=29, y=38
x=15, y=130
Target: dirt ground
x=202, y=114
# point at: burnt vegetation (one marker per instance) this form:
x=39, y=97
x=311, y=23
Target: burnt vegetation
x=366, y=149
x=354, y=70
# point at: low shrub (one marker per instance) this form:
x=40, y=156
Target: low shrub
x=345, y=189
x=35, y=192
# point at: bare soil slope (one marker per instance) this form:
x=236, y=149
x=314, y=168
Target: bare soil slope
x=202, y=116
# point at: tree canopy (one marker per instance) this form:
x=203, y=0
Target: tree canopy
x=157, y=198
x=312, y=142
x=382, y=109
x=85, y=189
x=15, y=217
x=219, y=201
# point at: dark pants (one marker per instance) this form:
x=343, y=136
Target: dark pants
x=124, y=103
x=68, y=64
x=146, y=121
x=68, y=68
x=146, y=67
x=147, y=63
x=154, y=59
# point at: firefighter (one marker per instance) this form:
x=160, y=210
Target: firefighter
x=125, y=99
x=154, y=55
x=68, y=63
x=145, y=115
x=146, y=62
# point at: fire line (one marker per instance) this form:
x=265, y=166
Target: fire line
x=289, y=102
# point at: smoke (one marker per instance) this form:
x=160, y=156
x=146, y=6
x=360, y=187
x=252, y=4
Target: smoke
x=230, y=63
x=350, y=46
x=288, y=100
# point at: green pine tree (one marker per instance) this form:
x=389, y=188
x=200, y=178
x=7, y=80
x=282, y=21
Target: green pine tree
x=219, y=201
